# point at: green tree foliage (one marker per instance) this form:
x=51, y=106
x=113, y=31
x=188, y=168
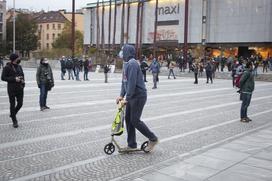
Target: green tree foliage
x=25, y=36
x=64, y=40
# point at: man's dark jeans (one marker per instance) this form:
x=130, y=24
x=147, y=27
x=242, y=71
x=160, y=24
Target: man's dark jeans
x=134, y=110
x=43, y=94
x=13, y=96
x=246, y=99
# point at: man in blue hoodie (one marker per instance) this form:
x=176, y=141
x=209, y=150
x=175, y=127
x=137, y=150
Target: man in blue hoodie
x=133, y=87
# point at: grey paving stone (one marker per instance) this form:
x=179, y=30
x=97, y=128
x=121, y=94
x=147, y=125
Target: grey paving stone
x=189, y=171
x=266, y=164
x=226, y=154
x=243, y=172
x=245, y=148
x=209, y=162
x=156, y=176
x=265, y=154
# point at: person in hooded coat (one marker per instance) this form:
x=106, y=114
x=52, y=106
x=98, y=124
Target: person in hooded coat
x=133, y=87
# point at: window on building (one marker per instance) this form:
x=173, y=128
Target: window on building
x=53, y=36
x=53, y=26
x=47, y=36
x=1, y=27
x=40, y=27
x=1, y=38
x=39, y=46
x=39, y=35
x=1, y=17
x=58, y=34
x=47, y=26
x=47, y=45
x=59, y=26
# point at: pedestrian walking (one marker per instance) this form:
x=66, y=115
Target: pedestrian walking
x=155, y=69
x=106, y=71
x=133, y=87
x=45, y=81
x=247, y=86
x=209, y=72
x=63, y=67
x=144, y=67
x=13, y=74
x=270, y=63
x=201, y=69
x=77, y=68
x=171, y=69
x=70, y=66
x=195, y=69
x=233, y=72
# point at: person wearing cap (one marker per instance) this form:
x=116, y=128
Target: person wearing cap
x=133, y=92
x=13, y=74
x=45, y=81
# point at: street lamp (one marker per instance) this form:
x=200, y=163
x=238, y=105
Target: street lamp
x=14, y=26
x=73, y=28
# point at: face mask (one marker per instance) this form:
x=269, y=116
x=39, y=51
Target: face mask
x=45, y=62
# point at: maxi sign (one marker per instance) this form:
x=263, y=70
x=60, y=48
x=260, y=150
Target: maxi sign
x=169, y=12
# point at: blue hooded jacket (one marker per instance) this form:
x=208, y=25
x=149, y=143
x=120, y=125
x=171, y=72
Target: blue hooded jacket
x=133, y=85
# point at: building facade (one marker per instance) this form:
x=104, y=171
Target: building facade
x=2, y=23
x=211, y=23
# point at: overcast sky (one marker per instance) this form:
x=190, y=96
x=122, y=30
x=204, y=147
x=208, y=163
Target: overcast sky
x=47, y=4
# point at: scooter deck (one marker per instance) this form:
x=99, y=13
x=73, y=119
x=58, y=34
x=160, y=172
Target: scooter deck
x=129, y=150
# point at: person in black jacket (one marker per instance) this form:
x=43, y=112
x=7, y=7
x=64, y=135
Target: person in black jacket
x=144, y=67
x=106, y=70
x=14, y=75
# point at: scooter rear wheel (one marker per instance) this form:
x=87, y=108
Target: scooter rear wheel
x=143, y=147
x=109, y=149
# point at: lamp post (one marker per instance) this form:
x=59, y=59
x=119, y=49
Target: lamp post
x=73, y=29
x=14, y=19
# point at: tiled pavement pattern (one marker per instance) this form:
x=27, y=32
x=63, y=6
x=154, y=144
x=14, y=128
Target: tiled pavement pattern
x=66, y=142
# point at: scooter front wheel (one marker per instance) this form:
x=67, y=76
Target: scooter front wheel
x=143, y=147
x=109, y=148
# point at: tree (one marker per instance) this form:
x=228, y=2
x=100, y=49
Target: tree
x=64, y=40
x=26, y=38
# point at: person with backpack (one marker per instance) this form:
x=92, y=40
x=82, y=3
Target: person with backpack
x=209, y=72
x=63, y=67
x=144, y=67
x=13, y=74
x=76, y=68
x=45, y=81
x=247, y=85
x=155, y=69
x=86, y=65
x=133, y=87
x=70, y=66
x=233, y=72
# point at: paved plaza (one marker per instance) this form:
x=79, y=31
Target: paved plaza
x=201, y=137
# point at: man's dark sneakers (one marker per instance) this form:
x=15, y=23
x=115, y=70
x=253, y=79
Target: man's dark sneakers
x=46, y=107
x=43, y=108
x=15, y=125
x=151, y=145
x=249, y=119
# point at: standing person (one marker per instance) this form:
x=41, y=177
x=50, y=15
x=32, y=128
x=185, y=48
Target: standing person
x=86, y=69
x=190, y=61
x=76, y=68
x=255, y=70
x=201, y=68
x=233, y=72
x=247, y=85
x=70, y=66
x=171, y=70
x=195, y=68
x=106, y=71
x=133, y=88
x=265, y=65
x=155, y=69
x=45, y=81
x=13, y=74
x=144, y=67
x=209, y=72
x=63, y=67
x=270, y=62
